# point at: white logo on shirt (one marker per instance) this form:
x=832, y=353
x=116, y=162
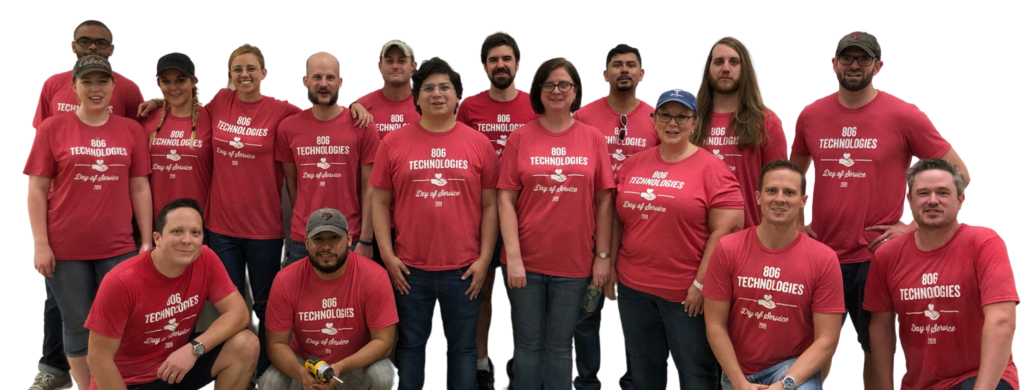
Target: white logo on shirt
x=237, y=143
x=171, y=325
x=618, y=155
x=323, y=164
x=99, y=166
x=766, y=302
x=558, y=176
x=173, y=156
x=329, y=329
x=718, y=154
x=649, y=195
x=502, y=140
x=846, y=160
x=933, y=314
x=438, y=180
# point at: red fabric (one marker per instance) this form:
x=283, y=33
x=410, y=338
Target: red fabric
x=640, y=133
x=180, y=171
x=558, y=175
x=245, y=198
x=388, y=115
x=331, y=319
x=436, y=181
x=90, y=169
x=496, y=119
x=661, y=202
x=58, y=97
x=154, y=315
x=746, y=164
x=328, y=156
x=938, y=297
x=860, y=158
x=774, y=294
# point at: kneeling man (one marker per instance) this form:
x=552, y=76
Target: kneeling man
x=773, y=297
x=146, y=308
x=337, y=306
x=952, y=289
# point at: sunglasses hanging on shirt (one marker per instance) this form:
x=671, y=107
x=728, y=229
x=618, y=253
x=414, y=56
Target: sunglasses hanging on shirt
x=622, y=131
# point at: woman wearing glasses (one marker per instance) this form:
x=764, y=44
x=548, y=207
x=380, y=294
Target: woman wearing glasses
x=441, y=175
x=555, y=206
x=675, y=202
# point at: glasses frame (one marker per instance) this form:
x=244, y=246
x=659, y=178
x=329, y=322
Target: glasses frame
x=674, y=118
x=550, y=87
x=89, y=42
x=859, y=59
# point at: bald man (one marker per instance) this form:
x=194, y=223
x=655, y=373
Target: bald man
x=327, y=159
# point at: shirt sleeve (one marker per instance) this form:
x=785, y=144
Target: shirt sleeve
x=281, y=304
x=43, y=108
x=368, y=144
x=924, y=140
x=827, y=297
x=727, y=194
x=41, y=161
x=140, y=153
x=509, y=177
x=381, y=175
x=877, y=297
x=489, y=174
x=992, y=268
x=463, y=115
x=775, y=146
x=219, y=283
x=283, y=150
x=111, y=309
x=379, y=305
x=799, y=141
x=717, y=277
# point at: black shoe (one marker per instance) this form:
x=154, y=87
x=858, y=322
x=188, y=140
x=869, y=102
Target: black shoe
x=484, y=378
x=510, y=369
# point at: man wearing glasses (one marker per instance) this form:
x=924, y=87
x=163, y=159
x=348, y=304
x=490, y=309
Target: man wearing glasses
x=626, y=124
x=861, y=141
x=91, y=37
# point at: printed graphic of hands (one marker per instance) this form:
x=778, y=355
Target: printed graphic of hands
x=558, y=176
x=502, y=141
x=438, y=180
x=649, y=195
x=717, y=154
x=766, y=302
x=323, y=164
x=931, y=312
x=846, y=160
x=329, y=329
x=618, y=155
x=171, y=325
x=237, y=142
x=173, y=156
x=99, y=166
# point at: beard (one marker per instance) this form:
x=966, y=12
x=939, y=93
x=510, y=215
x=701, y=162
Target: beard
x=502, y=84
x=718, y=88
x=854, y=86
x=313, y=98
x=330, y=269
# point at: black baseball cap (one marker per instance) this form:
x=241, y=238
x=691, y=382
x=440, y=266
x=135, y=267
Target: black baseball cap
x=862, y=40
x=177, y=61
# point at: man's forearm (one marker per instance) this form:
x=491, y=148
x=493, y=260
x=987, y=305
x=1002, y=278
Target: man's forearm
x=812, y=360
x=996, y=342
x=372, y=352
x=225, y=326
x=883, y=347
x=105, y=372
x=282, y=356
x=722, y=346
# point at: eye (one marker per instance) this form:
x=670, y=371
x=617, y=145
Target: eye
x=717, y=61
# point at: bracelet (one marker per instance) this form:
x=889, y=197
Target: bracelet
x=699, y=285
x=157, y=101
x=364, y=242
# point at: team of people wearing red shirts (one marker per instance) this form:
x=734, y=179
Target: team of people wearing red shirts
x=688, y=212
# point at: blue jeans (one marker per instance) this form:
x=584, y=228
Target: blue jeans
x=776, y=373
x=262, y=258
x=53, y=360
x=74, y=284
x=459, y=316
x=544, y=315
x=296, y=251
x=968, y=384
x=588, y=352
x=654, y=327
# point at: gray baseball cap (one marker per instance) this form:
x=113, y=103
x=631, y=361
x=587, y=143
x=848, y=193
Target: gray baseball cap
x=326, y=220
x=92, y=63
x=862, y=40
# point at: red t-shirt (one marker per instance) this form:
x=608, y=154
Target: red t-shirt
x=860, y=158
x=89, y=168
x=245, y=198
x=938, y=297
x=58, y=97
x=556, y=233
x=774, y=294
x=179, y=171
x=388, y=115
x=331, y=319
x=437, y=181
x=496, y=119
x=640, y=133
x=746, y=164
x=661, y=202
x=153, y=314
x=328, y=156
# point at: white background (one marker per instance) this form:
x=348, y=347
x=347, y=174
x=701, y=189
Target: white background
x=956, y=63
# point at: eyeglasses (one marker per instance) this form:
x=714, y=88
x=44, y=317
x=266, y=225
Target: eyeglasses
x=680, y=119
x=562, y=86
x=86, y=42
x=862, y=60
x=622, y=131
x=248, y=69
x=429, y=88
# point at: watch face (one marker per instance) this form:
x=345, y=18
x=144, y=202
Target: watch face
x=788, y=383
x=198, y=349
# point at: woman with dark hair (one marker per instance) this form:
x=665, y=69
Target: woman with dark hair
x=675, y=202
x=554, y=200
x=87, y=174
x=441, y=175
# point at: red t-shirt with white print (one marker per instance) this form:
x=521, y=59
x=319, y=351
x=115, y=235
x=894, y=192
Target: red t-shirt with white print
x=328, y=156
x=58, y=97
x=437, y=182
x=938, y=297
x=860, y=158
x=245, y=197
x=664, y=210
x=89, y=168
x=558, y=175
x=154, y=315
x=773, y=294
x=746, y=164
x=331, y=319
x=640, y=133
x=180, y=170
x=388, y=115
x=496, y=119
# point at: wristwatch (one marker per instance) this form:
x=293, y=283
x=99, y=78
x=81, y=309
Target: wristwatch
x=197, y=348
x=603, y=255
x=788, y=383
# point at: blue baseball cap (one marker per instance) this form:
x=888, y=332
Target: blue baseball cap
x=677, y=95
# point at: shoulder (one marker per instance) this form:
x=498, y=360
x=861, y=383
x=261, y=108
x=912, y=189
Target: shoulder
x=129, y=270
x=122, y=122
x=894, y=249
x=977, y=234
x=368, y=98
x=125, y=83
x=58, y=121
x=644, y=108
x=296, y=120
x=820, y=106
x=471, y=134
x=592, y=107
x=222, y=96
x=473, y=101
x=59, y=79
x=817, y=251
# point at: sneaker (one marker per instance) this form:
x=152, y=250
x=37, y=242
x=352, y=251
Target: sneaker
x=485, y=378
x=47, y=381
x=510, y=369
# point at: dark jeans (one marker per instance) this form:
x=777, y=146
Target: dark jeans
x=653, y=328
x=968, y=384
x=262, y=258
x=588, y=352
x=53, y=360
x=544, y=315
x=459, y=317
x=296, y=251
x=196, y=378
